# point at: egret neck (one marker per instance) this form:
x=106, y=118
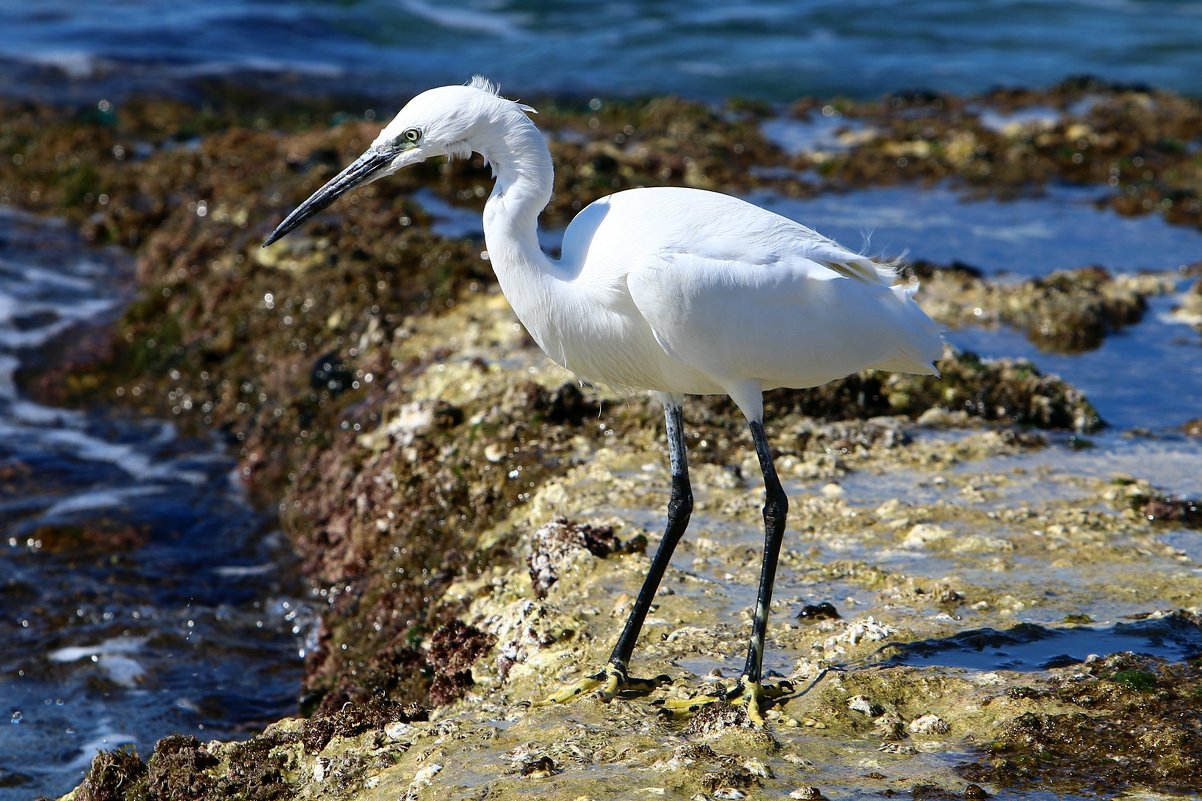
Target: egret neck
x=525, y=175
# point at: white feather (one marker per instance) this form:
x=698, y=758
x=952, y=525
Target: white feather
x=677, y=291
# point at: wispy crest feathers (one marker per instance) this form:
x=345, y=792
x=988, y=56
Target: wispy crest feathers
x=485, y=85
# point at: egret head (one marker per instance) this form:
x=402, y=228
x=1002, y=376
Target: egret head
x=448, y=121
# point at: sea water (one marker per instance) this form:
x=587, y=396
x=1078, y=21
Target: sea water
x=705, y=49
x=142, y=594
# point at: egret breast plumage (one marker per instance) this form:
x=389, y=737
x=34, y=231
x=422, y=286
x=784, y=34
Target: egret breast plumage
x=672, y=290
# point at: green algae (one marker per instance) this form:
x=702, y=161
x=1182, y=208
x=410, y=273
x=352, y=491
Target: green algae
x=1136, y=679
x=1067, y=311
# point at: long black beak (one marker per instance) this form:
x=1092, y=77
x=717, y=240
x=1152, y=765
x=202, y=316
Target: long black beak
x=362, y=170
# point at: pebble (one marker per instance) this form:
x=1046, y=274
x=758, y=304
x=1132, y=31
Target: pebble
x=928, y=724
x=923, y=533
x=861, y=703
x=808, y=794
x=398, y=730
x=425, y=777
x=757, y=768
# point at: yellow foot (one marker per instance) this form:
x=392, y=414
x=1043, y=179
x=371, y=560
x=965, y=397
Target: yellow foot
x=754, y=697
x=609, y=683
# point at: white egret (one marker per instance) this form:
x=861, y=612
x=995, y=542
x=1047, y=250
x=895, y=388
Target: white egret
x=676, y=291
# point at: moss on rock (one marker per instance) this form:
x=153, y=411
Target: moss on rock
x=1067, y=311
x=1129, y=723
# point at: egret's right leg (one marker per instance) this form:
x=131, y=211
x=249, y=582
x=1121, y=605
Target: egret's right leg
x=613, y=678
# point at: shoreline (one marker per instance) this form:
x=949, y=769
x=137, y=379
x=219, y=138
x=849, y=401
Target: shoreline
x=391, y=402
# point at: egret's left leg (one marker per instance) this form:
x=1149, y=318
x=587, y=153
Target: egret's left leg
x=749, y=690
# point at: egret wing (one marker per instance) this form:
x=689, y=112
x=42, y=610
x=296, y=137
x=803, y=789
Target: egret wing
x=794, y=322
x=639, y=225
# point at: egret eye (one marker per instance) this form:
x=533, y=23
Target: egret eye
x=412, y=135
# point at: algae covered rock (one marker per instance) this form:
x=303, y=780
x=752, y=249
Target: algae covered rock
x=473, y=520
x=1131, y=138
x=1124, y=725
x=1067, y=311
x=1011, y=391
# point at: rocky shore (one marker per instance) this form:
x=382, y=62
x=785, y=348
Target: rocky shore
x=476, y=523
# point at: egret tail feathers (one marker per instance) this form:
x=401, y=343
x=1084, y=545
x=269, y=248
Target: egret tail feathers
x=852, y=265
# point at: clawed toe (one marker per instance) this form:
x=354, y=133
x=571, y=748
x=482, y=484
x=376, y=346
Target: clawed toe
x=752, y=696
x=608, y=684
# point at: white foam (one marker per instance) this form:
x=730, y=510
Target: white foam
x=111, y=646
x=122, y=670
x=473, y=20
x=87, y=309
x=166, y=433
x=316, y=69
x=240, y=571
x=101, y=499
x=8, y=308
x=1031, y=117
x=817, y=132
x=113, y=656
x=30, y=413
x=90, y=448
x=22, y=216
x=21, y=340
x=75, y=63
x=71, y=278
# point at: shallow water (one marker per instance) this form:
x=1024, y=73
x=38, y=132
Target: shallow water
x=1030, y=647
x=1158, y=364
x=1026, y=237
x=143, y=595
x=1021, y=578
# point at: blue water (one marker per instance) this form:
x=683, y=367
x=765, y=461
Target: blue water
x=708, y=49
x=1059, y=230
x=1028, y=647
x=143, y=595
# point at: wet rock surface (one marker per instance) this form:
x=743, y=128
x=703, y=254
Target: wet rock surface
x=475, y=521
x=1068, y=311
x=1106, y=706
x=1004, y=143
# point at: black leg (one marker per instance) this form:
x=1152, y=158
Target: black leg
x=680, y=507
x=613, y=679
x=749, y=691
x=776, y=508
